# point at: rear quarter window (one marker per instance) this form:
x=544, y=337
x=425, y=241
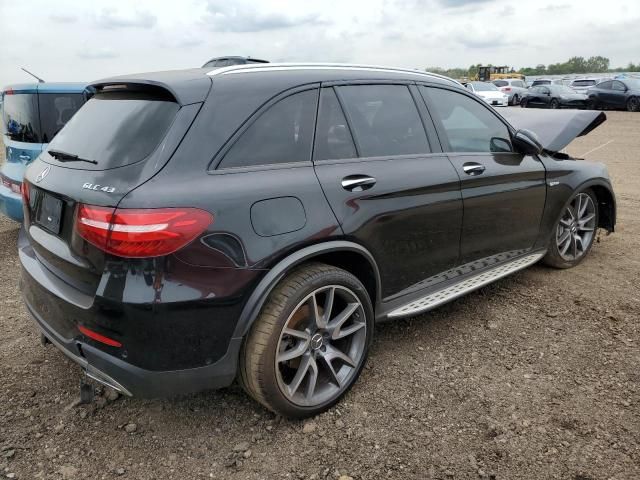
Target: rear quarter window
x=281, y=134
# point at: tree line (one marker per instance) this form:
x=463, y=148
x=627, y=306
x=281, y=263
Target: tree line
x=595, y=64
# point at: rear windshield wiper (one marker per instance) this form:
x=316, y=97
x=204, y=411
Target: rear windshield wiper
x=68, y=157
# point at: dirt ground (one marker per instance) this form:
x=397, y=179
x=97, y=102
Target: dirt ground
x=534, y=377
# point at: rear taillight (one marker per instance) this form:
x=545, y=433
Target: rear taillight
x=506, y=89
x=140, y=233
x=24, y=190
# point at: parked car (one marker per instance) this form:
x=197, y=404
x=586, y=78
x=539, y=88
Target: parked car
x=32, y=114
x=289, y=208
x=581, y=85
x=514, y=88
x=219, y=62
x=547, y=81
x=619, y=94
x=489, y=93
x=553, y=96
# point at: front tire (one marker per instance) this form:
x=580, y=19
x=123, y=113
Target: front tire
x=633, y=104
x=515, y=100
x=309, y=343
x=575, y=231
x=524, y=103
x=554, y=104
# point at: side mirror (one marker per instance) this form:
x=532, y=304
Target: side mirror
x=527, y=143
x=500, y=145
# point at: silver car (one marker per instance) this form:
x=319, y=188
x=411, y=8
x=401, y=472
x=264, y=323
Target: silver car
x=514, y=88
x=581, y=85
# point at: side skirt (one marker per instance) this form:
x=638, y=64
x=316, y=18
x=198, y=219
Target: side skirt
x=465, y=285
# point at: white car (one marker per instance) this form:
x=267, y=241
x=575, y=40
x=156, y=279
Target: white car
x=489, y=93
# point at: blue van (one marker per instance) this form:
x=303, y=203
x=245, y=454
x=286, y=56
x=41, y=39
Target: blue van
x=32, y=114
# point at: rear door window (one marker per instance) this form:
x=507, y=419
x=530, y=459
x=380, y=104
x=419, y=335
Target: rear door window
x=333, y=137
x=116, y=128
x=619, y=86
x=281, y=134
x=385, y=120
x=468, y=126
x=21, y=118
x=605, y=85
x=56, y=109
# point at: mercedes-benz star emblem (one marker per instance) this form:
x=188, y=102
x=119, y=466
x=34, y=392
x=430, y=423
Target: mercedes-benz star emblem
x=43, y=174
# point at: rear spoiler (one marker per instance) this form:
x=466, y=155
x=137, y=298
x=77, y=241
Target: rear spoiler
x=555, y=128
x=185, y=86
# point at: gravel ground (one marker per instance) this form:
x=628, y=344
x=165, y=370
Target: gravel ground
x=534, y=377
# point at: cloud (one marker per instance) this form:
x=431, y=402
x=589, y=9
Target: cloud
x=63, y=18
x=109, y=18
x=554, y=8
x=97, y=54
x=224, y=16
x=461, y=3
x=507, y=11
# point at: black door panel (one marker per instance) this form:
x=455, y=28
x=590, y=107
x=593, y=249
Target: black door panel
x=503, y=204
x=410, y=219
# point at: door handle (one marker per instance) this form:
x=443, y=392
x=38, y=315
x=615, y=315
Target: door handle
x=358, y=183
x=473, y=168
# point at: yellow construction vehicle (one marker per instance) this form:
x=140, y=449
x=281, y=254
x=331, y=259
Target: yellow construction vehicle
x=489, y=73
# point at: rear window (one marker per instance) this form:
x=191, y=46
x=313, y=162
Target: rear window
x=583, y=83
x=56, y=109
x=20, y=117
x=116, y=128
x=541, y=82
x=500, y=83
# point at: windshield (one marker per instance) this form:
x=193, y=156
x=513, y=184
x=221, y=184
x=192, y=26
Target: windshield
x=116, y=129
x=483, y=87
x=20, y=117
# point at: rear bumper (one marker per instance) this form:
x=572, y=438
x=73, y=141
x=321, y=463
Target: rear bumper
x=133, y=381
x=10, y=204
x=57, y=308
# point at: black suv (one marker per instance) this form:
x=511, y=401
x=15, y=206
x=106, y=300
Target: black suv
x=189, y=228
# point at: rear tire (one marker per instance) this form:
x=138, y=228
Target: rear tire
x=633, y=104
x=575, y=231
x=298, y=364
x=554, y=104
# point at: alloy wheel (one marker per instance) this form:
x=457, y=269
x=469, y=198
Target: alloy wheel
x=554, y=104
x=576, y=228
x=321, y=346
x=633, y=104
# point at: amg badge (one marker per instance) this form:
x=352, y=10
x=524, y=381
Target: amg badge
x=97, y=187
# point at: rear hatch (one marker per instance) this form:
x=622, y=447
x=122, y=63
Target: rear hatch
x=117, y=141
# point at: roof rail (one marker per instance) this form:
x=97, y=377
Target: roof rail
x=252, y=68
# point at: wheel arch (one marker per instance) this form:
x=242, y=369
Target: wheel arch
x=347, y=255
x=606, y=206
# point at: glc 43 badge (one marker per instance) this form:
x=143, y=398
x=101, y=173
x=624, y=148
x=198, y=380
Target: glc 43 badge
x=99, y=188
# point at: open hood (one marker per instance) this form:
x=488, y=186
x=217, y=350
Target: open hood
x=555, y=128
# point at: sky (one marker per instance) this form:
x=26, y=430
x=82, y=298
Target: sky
x=69, y=40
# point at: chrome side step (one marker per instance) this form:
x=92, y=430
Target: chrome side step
x=465, y=286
